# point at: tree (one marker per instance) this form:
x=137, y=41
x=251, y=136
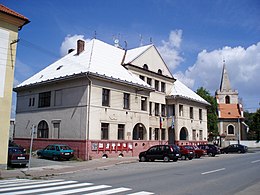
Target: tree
x=253, y=121
x=212, y=110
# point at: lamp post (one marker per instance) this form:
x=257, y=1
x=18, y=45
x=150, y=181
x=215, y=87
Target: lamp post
x=238, y=133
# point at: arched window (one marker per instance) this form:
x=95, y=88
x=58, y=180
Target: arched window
x=145, y=67
x=139, y=132
x=183, y=134
x=159, y=71
x=43, y=130
x=227, y=99
x=231, y=129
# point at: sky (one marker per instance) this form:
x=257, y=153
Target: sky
x=194, y=37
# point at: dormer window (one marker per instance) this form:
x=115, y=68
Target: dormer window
x=159, y=71
x=145, y=67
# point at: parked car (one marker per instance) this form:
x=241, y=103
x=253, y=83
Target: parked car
x=198, y=152
x=17, y=156
x=56, y=152
x=160, y=152
x=234, y=148
x=187, y=151
x=211, y=149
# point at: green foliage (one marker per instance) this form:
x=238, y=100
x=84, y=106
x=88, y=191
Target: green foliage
x=253, y=121
x=212, y=110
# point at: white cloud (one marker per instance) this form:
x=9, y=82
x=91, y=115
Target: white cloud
x=70, y=42
x=243, y=66
x=170, y=49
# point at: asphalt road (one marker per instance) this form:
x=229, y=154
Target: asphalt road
x=223, y=174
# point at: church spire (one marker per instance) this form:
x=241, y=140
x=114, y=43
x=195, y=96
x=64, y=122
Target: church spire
x=225, y=83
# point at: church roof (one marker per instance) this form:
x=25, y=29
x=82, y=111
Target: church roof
x=229, y=111
x=225, y=83
x=181, y=90
x=98, y=58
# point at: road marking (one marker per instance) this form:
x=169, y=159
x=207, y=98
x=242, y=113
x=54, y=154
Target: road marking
x=36, y=186
x=255, y=161
x=79, y=190
x=141, y=193
x=213, y=171
x=112, y=191
x=31, y=182
x=13, y=181
x=50, y=188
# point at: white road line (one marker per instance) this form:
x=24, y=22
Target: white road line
x=112, y=191
x=141, y=193
x=36, y=186
x=13, y=181
x=31, y=182
x=213, y=171
x=255, y=161
x=51, y=189
x=79, y=190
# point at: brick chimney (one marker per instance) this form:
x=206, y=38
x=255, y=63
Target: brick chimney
x=80, y=46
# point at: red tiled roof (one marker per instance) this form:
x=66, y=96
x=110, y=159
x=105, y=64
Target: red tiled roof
x=13, y=13
x=229, y=111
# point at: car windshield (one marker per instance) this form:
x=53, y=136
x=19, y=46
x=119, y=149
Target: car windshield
x=17, y=151
x=188, y=147
x=65, y=148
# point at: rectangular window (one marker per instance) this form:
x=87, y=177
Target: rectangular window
x=144, y=103
x=150, y=133
x=149, y=81
x=162, y=87
x=163, y=110
x=121, y=132
x=200, y=135
x=163, y=134
x=156, y=85
x=44, y=99
x=180, y=110
x=191, y=112
x=56, y=129
x=105, y=97
x=33, y=100
x=156, y=134
x=150, y=108
x=156, y=109
x=141, y=77
x=104, y=131
x=200, y=114
x=126, y=101
x=57, y=98
x=194, y=134
x=171, y=110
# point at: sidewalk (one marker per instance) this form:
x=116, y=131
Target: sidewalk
x=65, y=167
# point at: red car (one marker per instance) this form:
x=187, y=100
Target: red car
x=17, y=156
x=187, y=151
x=199, y=152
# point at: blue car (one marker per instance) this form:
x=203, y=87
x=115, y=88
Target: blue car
x=56, y=152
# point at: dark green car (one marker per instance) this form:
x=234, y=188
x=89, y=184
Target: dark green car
x=56, y=152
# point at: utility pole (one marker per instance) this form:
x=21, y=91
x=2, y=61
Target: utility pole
x=238, y=133
x=33, y=131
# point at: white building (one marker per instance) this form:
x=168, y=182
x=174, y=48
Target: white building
x=103, y=100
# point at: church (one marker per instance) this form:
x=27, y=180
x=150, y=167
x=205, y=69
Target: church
x=231, y=124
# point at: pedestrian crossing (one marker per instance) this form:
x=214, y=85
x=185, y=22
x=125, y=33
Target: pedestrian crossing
x=60, y=187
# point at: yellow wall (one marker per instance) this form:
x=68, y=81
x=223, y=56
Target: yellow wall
x=7, y=62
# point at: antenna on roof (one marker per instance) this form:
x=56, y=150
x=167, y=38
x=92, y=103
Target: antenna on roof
x=141, y=40
x=151, y=40
x=95, y=34
x=125, y=45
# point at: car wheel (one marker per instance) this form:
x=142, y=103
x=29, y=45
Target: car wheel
x=210, y=154
x=175, y=159
x=213, y=155
x=142, y=159
x=166, y=159
x=190, y=158
x=239, y=151
x=55, y=158
x=183, y=157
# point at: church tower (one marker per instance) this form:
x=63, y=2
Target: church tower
x=231, y=124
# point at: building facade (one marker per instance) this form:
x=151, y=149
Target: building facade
x=103, y=100
x=231, y=124
x=10, y=23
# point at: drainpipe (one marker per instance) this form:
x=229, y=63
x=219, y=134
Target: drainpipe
x=88, y=113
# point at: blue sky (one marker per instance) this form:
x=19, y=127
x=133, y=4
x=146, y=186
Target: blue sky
x=193, y=36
